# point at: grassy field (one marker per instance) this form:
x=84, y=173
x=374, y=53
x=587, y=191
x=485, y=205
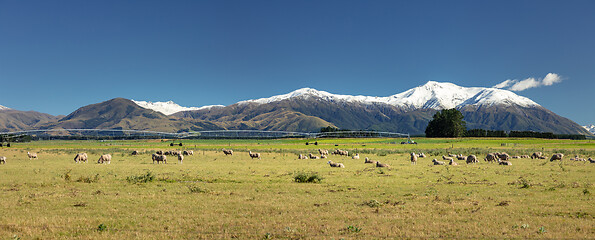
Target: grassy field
x=212, y=196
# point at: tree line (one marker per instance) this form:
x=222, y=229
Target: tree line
x=450, y=123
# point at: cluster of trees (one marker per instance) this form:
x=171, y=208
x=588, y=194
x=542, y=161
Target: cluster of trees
x=450, y=123
x=447, y=123
x=521, y=134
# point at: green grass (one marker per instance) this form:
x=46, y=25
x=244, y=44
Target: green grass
x=213, y=196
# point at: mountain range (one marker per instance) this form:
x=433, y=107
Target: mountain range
x=308, y=110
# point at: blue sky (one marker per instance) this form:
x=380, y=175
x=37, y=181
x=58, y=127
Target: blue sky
x=56, y=56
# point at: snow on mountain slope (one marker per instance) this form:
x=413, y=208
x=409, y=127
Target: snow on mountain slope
x=433, y=95
x=3, y=108
x=590, y=128
x=169, y=107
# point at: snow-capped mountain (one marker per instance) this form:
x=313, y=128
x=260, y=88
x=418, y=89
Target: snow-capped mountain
x=406, y=112
x=169, y=107
x=590, y=128
x=432, y=95
x=3, y=108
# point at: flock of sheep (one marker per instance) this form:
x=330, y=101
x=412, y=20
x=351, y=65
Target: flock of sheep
x=500, y=158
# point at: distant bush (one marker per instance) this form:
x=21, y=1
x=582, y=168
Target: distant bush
x=143, y=178
x=307, y=177
x=197, y=189
x=89, y=179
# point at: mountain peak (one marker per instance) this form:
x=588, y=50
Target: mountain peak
x=432, y=95
x=169, y=107
x=3, y=108
x=590, y=128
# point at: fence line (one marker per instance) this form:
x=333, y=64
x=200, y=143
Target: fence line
x=203, y=134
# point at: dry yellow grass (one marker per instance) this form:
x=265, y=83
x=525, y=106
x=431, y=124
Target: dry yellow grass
x=213, y=196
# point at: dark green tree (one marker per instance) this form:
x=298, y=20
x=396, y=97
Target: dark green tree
x=447, y=123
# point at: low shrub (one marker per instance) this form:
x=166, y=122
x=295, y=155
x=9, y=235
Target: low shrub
x=143, y=178
x=307, y=177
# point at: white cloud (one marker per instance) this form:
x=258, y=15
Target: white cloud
x=551, y=78
x=521, y=85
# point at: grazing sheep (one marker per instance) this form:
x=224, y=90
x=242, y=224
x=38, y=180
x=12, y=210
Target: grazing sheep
x=356, y=156
x=436, y=162
x=3, y=159
x=322, y=151
x=170, y=152
x=80, y=157
x=334, y=164
x=452, y=155
x=177, y=153
x=228, y=152
x=504, y=162
x=322, y=156
x=453, y=163
x=341, y=152
x=254, y=155
x=591, y=160
x=447, y=158
x=503, y=156
x=367, y=160
x=134, y=153
x=537, y=155
x=106, y=158
x=302, y=156
x=557, y=156
x=461, y=157
x=160, y=152
x=188, y=152
x=491, y=157
x=159, y=158
x=312, y=156
x=180, y=158
x=31, y=155
x=421, y=155
x=413, y=158
x=471, y=159
x=378, y=164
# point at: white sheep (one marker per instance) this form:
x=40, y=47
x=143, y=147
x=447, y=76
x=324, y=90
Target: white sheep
x=378, y=164
x=334, y=164
x=106, y=158
x=302, y=156
x=159, y=158
x=356, y=156
x=32, y=155
x=453, y=163
x=447, y=158
x=413, y=158
x=367, y=160
x=491, y=157
x=504, y=162
x=537, y=155
x=188, y=152
x=471, y=159
x=180, y=158
x=80, y=157
x=436, y=162
x=254, y=155
x=323, y=151
x=228, y=152
x=312, y=156
x=557, y=156
x=3, y=159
